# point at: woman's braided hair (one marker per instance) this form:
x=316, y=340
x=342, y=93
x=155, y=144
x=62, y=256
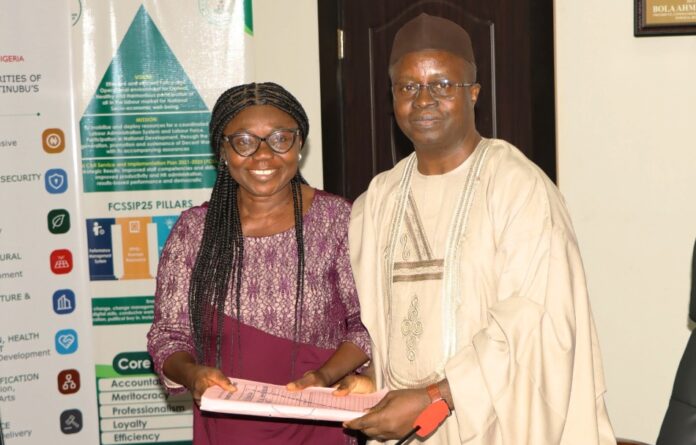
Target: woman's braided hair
x=220, y=257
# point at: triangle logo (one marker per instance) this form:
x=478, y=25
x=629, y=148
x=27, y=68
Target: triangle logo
x=144, y=76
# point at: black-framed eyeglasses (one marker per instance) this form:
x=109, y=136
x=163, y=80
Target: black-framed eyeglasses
x=246, y=144
x=439, y=89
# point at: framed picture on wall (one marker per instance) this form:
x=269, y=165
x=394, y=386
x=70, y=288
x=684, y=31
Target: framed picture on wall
x=664, y=17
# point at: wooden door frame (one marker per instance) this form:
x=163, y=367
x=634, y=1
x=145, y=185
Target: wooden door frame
x=543, y=120
x=331, y=81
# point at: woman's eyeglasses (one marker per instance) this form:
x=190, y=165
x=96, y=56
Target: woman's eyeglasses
x=246, y=144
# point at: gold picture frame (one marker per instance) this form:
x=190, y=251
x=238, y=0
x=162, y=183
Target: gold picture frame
x=664, y=17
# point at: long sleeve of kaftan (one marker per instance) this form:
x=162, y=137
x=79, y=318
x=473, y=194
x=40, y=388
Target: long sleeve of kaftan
x=170, y=331
x=527, y=367
x=532, y=375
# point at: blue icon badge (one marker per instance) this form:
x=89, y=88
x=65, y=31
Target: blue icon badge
x=63, y=301
x=66, y=341
x=56, y=180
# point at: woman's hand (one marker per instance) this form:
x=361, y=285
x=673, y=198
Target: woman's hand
x=181, y=367
x=350, y=384
x=309, y=378
x=345, y=359
x=355, y=384
x=199, y=378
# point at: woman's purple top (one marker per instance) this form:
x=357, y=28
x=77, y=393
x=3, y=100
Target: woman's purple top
x=331, y=315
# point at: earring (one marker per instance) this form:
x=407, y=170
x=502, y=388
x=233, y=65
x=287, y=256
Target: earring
x=299, y=157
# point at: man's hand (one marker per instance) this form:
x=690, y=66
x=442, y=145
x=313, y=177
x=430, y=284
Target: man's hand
x=393, y=416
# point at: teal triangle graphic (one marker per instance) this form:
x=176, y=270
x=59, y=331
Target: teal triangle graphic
x=146, y=127
x=144, y=76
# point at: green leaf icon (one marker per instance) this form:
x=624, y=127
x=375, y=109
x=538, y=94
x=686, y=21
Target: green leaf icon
x=57, y=221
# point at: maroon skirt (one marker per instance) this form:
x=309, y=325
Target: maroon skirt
x=265, y=358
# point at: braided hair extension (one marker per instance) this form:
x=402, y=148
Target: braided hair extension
x=220, y=257
x=299, y=236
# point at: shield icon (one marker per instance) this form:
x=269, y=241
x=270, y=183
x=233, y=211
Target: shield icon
x=56, y=180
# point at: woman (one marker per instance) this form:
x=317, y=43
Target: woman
x=257, y=283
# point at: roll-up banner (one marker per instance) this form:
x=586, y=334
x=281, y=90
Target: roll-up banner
x=104, y=108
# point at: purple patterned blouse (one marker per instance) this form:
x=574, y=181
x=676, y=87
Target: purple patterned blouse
x=331, y=313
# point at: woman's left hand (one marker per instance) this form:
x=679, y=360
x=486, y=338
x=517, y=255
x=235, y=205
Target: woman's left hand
x=355, y=384
x=310, y=378
x=350, y=384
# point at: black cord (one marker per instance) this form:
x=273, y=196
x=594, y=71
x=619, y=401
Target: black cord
x=408, y=436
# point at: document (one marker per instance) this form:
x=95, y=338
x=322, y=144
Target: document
x=263, y=399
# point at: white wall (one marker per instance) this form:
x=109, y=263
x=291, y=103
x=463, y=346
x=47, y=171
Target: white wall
x=286, y=51
x=626, y=111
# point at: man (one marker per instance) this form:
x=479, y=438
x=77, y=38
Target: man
x=468, y=271
x=679, y=424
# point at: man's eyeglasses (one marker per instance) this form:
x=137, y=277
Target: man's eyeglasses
x=246, y=144
x=439, y=89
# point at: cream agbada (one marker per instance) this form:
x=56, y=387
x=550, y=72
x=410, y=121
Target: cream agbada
x=475, y=276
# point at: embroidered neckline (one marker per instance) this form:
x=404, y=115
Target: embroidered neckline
x=450, y=285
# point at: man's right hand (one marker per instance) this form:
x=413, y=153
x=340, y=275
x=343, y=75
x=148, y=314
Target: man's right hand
x=393, y=416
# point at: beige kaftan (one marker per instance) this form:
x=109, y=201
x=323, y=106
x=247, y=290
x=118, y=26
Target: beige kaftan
x=475, y=276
